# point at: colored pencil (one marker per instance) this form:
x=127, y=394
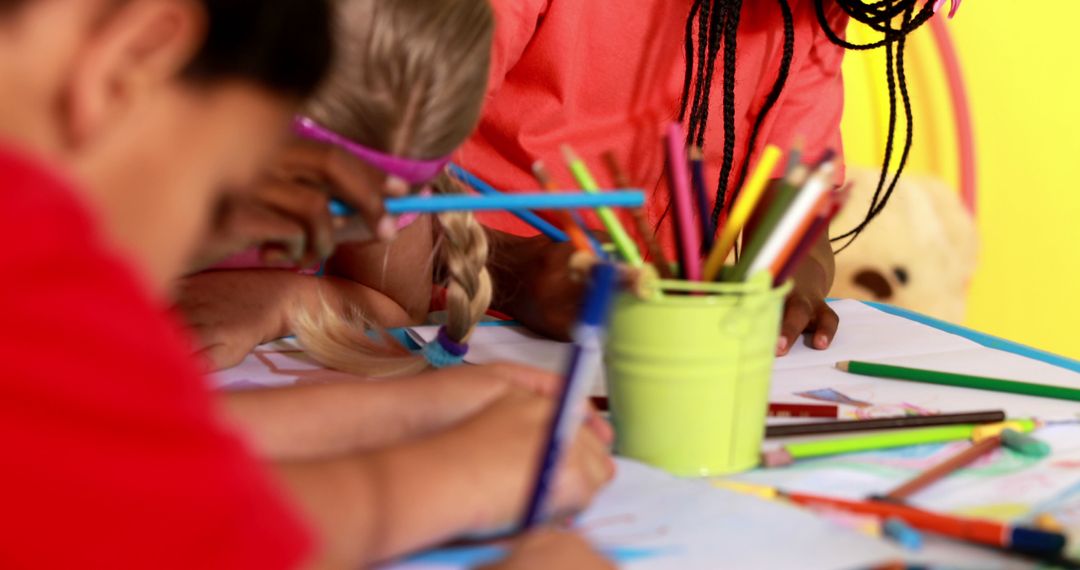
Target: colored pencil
x=943, y=469
x=701, y=197
x=1016, y=538
x=688, y=234
x=787, y=454
x=1024, y=444
x=641, y=223
x=818, y=229
x=847, y=426
x=781, y=201
x=572, y=223
x=741, y=211
x=583, y=365
x=809, y=195
x=619, y=237
x=777, y=410
x=540, y=224
x=959, y=380
x=795, y=155
x=513, y=202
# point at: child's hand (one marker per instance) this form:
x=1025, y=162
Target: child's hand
x=805, y=310
x=232, y=312
x=286, y=213
x=462, y=391
x=501, y=448
x=547, y=549
x=534, y=284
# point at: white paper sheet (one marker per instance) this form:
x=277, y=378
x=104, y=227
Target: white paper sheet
x=649, y=520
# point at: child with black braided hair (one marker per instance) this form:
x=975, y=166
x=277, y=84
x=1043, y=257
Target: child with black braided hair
x=738, y=74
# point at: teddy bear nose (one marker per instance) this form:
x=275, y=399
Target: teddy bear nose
x=874, y=282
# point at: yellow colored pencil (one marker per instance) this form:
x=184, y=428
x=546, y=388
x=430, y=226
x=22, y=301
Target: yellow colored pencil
x=741, y=211
x=622, y=240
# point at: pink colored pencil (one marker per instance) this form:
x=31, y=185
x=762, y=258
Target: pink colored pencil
x=679, y=180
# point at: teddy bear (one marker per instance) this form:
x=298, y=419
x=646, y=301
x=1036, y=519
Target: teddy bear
x=919, y=253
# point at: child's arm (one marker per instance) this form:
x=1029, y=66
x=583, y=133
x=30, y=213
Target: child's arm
x=549, y=548
x=402, y=269
x=474, y=478
x=232, y=312
x=313, y=421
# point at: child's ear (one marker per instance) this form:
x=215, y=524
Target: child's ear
x=136, y=51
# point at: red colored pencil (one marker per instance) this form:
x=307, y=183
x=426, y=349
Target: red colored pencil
x=804, y=411
x=981, y=531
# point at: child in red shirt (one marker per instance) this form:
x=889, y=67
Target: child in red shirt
x=605, y=76
x=115, y=456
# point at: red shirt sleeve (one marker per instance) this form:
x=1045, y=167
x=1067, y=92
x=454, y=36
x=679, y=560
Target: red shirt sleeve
x=112, y=456
x=515, y=23
x=814, y=100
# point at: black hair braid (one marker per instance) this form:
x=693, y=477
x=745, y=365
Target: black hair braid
x=689, y=54
x=880, y=16
x=771, y=100
x=731, y=28
x=714, y=34
x=717, y=22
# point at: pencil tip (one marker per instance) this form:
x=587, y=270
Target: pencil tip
x=844, y=365
x=569, y=153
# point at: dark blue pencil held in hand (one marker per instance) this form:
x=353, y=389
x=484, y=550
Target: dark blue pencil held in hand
x=582, y=367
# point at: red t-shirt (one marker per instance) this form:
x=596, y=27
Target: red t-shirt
x=606, y=75
x=112, y=456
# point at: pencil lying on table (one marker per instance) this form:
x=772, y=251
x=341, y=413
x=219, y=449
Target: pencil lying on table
x=787, y=454
x=981, y=531
x=959, y=380
x=845, y=426
x=943, y=469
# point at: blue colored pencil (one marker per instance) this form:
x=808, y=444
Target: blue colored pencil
x=582, y=367
x=540, y=224
x=516, y=201
x=697, y=179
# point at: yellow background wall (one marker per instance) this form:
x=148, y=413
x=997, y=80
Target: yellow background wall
x=1022, y=72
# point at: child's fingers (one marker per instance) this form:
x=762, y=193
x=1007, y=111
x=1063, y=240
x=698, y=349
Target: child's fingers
x=220, y=356
x=345, y=177
x=599, y=426
x=307, y=208
x=827, y=323
x=534, y=379
x=797, y=314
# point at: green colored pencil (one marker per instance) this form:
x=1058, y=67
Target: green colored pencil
x=784, y=196
x=885, y=440
x=959, y=380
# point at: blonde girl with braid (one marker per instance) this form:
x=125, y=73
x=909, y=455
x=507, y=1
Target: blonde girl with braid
x=403, y=96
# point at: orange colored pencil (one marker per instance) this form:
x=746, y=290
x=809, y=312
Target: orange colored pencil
x=980, y=531
x=641, y=224
x=944, y=469
x=577, y=235
x=824, y=204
